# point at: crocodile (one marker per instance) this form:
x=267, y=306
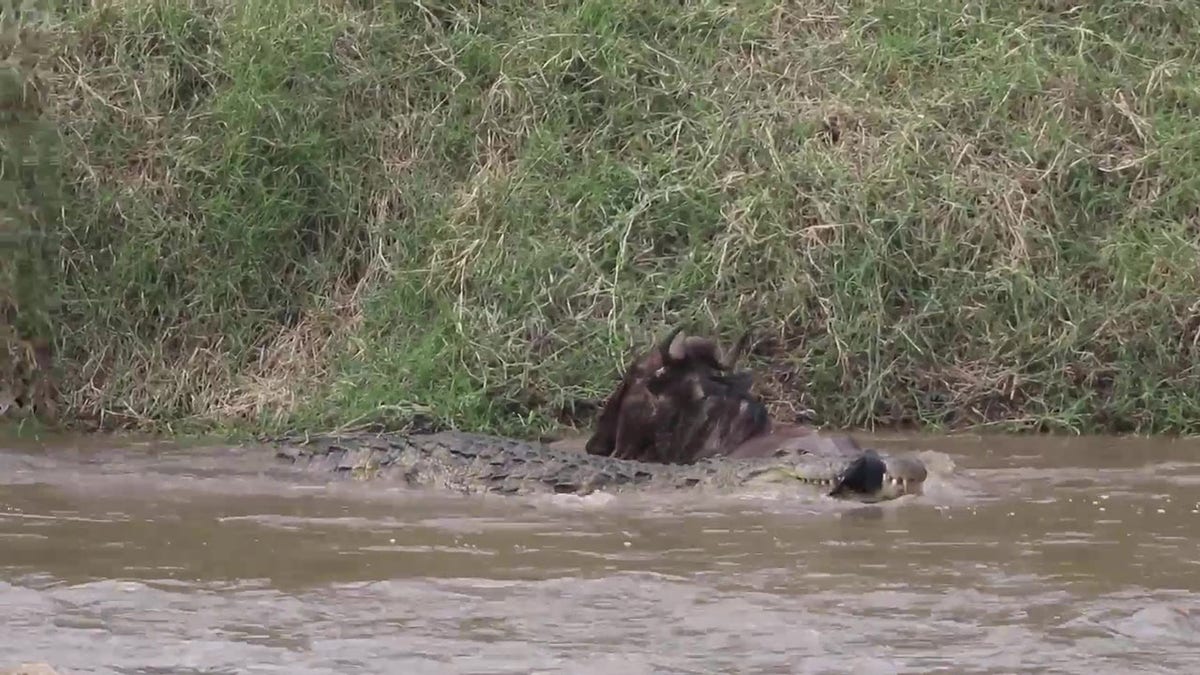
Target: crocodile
x=478, y=463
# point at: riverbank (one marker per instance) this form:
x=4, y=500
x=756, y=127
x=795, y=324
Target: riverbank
x=275, y=213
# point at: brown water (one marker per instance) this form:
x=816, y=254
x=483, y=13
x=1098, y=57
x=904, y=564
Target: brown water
x=1033, y=555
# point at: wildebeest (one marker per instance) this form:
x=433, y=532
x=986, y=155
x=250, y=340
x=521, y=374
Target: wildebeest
x=632, y=423
x=683, y=401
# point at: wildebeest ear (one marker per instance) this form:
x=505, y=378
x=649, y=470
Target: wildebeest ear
x=604, y=437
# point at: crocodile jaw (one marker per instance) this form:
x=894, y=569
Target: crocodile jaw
x=904, y=477
x=894, y=488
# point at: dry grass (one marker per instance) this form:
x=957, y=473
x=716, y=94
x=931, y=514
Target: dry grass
x=935, y=213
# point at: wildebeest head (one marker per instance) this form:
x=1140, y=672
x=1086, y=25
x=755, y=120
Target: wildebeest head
x=704, y=412
x=680, y=393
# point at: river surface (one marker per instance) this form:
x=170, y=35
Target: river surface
x=1030, y=555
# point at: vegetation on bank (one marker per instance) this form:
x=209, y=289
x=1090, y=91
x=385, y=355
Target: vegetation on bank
x=270, y=213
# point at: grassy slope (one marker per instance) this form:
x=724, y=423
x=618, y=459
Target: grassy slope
x=285, y=211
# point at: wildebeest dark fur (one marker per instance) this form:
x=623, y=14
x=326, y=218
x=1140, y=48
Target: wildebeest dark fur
x=631, y=423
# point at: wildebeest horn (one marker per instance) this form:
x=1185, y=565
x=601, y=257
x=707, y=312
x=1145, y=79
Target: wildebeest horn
x=727, y=361
x=704, y=348
x=673, y=347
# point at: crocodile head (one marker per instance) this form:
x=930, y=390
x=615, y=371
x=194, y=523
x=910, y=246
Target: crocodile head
x=867, y=477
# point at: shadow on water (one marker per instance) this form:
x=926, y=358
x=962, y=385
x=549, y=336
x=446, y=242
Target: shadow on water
x=1074, y=555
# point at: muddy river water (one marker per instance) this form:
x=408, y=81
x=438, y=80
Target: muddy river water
x=1032, y=555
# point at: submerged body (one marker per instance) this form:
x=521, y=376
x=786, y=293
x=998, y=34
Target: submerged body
x=479, y=463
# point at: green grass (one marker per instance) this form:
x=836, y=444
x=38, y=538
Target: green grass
x=312, y=214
